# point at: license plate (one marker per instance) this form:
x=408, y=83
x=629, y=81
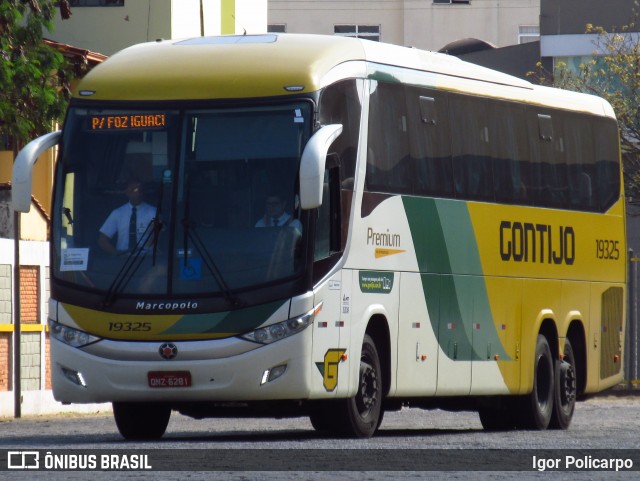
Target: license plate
x=169, y=378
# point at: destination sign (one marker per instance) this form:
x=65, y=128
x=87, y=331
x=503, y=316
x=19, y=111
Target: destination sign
x=127, y=121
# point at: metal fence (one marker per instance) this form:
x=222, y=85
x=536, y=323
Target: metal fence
x=632, y=335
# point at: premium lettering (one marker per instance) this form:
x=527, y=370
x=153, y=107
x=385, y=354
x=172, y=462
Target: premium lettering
x=383, y=239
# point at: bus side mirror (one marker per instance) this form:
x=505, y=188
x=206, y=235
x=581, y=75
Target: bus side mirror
x=313, y=163
x=21, y=181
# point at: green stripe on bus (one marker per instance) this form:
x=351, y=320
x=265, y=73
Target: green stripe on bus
x=454, y=289
x=242, y=320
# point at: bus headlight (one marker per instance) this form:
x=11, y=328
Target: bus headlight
x=280, y=330
x=70, y=336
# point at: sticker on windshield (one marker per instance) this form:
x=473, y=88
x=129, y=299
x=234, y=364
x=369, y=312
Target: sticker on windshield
x=298, y=119
x=192, y=271
x=74, y=259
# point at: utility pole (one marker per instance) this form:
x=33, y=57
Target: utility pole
x=201, y=19
x=17, y=364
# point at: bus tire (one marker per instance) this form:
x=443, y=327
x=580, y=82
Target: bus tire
x=564, y=401
x=363, y=413
x=538, y=406
x=499, y=418
x=322, y=417
x=141, y=421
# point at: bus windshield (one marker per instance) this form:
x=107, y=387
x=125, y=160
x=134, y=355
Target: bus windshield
x=179, y=201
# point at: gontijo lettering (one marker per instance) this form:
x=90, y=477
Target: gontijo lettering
x=542, y=243
x=126, y=121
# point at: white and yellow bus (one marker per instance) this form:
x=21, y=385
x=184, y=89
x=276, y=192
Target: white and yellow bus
x=449, y=236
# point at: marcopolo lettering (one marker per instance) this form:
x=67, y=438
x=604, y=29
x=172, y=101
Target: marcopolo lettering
x=165, y=306
x=541, y=243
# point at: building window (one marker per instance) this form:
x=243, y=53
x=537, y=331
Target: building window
x=277, y=28
x=528, y=33
x=369, y=32
x=97, y=3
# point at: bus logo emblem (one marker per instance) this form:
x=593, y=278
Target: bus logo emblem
x=168, y=350
x=329, y=368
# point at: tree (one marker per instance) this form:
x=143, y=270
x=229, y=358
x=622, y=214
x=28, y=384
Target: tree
x=613, y=73
x=34, y=78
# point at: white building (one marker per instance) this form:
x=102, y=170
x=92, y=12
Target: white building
x=107, y=26
x=428, y=25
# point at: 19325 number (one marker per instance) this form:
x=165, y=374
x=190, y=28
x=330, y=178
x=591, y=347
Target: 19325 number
x=607, y=249
x=129, y=326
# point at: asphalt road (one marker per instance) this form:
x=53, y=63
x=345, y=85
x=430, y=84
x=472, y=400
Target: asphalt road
x=603, y=425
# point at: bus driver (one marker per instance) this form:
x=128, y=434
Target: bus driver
x=127, y=223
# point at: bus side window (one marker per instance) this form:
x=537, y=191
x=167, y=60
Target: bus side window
x=607, y=163
x=323, y=223
x=388, y=163
x=548, y=155
x=429, y=145
x=509, y=151
x=328, y=235
x=470, y=147
x=340, y=103
x=580, y=161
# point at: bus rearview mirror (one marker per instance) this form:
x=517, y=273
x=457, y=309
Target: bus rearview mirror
x=312, y=165
x=21, y=181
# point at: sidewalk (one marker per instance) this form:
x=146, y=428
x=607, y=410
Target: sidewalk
x=38, y=403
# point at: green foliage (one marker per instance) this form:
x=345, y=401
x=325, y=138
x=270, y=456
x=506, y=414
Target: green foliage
x=34, y=78
x=613, y=73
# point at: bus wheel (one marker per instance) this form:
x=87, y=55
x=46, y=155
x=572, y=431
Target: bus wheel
x=364, y=411
x=564, y=400
x=322, y=417
x=499, y=418
x=538, y=406
x=141, y=421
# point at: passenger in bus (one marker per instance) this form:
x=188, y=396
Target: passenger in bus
x=127, y=224
x=275, y=214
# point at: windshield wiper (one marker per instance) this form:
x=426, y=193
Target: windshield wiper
x=131, y=264
x=209, y=262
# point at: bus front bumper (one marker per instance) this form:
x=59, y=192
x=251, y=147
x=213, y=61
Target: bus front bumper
x=277, y=371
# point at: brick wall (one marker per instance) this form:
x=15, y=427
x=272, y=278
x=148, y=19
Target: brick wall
x=47, y=360
x=6, y=378
x=29, y=294
x=5, y=362
x=34, y=292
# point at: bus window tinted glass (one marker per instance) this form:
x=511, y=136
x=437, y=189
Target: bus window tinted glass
x=470, y=147
x=429, y=147
x=388, y=166
x=607, y=159
x=580, y=161
x=340, y=104
x=547, y=150
x=509, y=151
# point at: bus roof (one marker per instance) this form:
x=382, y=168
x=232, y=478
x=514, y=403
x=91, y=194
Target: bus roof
x=251, y=66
